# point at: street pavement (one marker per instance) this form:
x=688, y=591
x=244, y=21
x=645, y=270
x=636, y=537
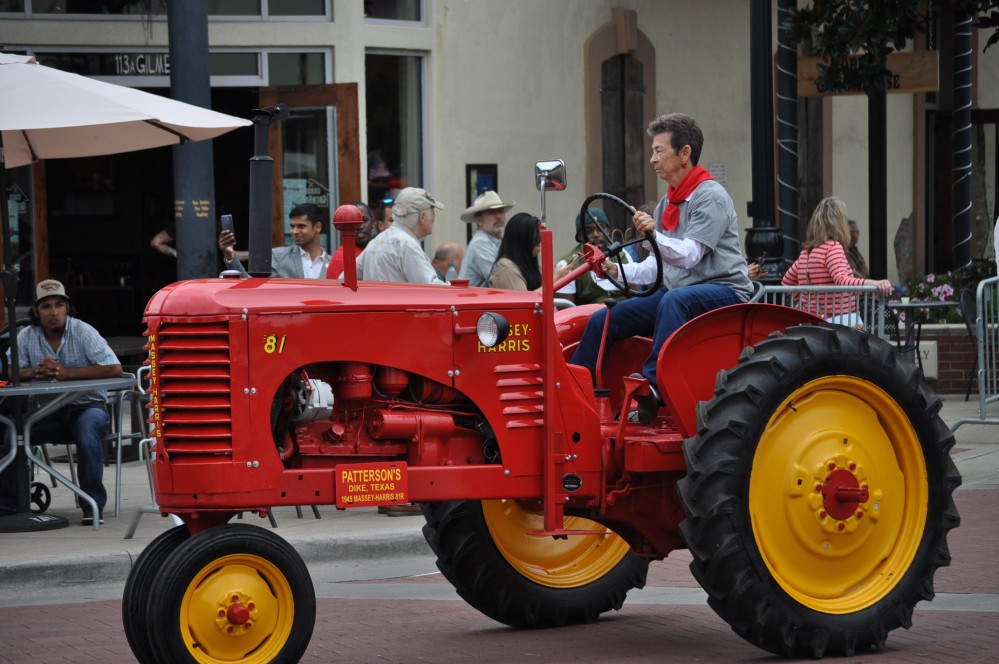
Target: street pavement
x=60, y=590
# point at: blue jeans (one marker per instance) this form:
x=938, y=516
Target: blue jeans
x=86, y=426
x=659, y=315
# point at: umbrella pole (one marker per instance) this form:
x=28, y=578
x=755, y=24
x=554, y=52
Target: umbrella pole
x=9, y=278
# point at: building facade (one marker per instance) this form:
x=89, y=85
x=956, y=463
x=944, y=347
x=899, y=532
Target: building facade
x=451, y=95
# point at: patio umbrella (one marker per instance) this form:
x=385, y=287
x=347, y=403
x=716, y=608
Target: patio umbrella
x=47, y=113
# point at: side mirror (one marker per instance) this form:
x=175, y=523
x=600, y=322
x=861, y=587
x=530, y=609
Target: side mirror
x=550, y=175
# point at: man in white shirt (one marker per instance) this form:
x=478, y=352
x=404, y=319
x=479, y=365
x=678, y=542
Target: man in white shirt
x=305, y=259
x=488, y=212
x=397, y=254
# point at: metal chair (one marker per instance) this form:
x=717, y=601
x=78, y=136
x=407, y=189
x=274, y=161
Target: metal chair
x=5, y=345
x=115, y=405
x=969, y=312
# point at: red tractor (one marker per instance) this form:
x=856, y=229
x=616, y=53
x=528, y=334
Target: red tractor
x=804, y=465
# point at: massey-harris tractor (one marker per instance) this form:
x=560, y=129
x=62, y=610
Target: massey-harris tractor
x=804, y=465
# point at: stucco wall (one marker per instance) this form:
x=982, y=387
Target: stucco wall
x=505, y=85
x=513, y=93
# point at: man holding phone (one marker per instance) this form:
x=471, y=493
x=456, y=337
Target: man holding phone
x=306, y=259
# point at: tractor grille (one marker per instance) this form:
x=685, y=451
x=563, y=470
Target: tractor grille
x=521, y=394
x=193, y=375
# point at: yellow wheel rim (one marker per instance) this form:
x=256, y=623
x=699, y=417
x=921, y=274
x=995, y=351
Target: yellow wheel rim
x=838, y=494
x=239, y=608
x=556, y=563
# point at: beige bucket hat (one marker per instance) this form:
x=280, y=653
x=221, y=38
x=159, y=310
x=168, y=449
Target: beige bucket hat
x=487, y=200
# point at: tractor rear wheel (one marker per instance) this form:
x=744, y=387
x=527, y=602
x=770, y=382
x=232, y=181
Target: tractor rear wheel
x=521, y=580
x=232, y=593
x=830, y=539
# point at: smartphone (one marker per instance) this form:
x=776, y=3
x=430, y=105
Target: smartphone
x=227, y=224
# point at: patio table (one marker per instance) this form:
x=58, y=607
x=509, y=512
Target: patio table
x=19, y=416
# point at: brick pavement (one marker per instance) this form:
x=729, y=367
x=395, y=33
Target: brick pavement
x=393, y=630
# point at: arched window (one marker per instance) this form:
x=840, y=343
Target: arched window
x=620, y=94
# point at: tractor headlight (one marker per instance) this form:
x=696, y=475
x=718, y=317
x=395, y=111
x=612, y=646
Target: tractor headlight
x=492, y=329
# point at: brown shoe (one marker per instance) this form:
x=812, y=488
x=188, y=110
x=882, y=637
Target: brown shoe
x=403, y=510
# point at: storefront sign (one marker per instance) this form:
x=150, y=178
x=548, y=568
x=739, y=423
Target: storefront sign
x=140, y=64
x=916, y=71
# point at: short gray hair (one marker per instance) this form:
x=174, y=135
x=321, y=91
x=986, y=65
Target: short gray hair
x=683, y=130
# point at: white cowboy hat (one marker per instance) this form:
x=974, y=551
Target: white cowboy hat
x=487, y=200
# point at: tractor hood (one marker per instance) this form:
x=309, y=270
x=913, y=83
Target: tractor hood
x=213, y=297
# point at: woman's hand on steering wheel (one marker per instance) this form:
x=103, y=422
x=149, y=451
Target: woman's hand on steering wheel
x=644, y=223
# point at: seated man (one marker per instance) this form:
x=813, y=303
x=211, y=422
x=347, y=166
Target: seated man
x=397, y=254
x=699, y=243
x=589, y=288
x=56, y=347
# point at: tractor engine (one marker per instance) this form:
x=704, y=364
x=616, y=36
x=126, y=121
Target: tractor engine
x=354, y=411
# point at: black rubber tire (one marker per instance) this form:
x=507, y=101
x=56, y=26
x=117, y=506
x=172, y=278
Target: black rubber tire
x=215, y=562
x=134, y=600
x=730, y=560
x=469, y=558
x=40, y=497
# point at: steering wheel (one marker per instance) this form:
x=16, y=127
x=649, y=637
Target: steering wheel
x=614, y=249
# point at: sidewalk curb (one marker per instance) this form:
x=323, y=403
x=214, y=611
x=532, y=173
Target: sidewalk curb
x=72, y=570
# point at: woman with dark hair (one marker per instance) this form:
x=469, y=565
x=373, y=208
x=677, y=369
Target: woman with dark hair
x=516, y=266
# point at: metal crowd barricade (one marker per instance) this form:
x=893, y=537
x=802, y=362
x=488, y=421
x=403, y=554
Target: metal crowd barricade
x=825, y=301
x=987, y=333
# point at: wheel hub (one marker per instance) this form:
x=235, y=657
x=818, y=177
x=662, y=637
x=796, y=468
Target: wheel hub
x=840, y=495
x=235, y=614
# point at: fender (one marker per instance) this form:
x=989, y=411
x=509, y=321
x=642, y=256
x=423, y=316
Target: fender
x=691, y=358
x=570, y=324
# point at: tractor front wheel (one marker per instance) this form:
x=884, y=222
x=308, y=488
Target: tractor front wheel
x=136, y=596
x=819, y=493
x=232, y=593
x=485, y=550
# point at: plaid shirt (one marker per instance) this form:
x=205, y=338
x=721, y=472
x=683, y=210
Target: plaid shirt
x=82, y=346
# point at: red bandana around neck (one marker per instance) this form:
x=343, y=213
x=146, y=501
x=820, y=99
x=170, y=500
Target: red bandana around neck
x=671, y=215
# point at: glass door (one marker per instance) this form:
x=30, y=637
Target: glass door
x=315, y=152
